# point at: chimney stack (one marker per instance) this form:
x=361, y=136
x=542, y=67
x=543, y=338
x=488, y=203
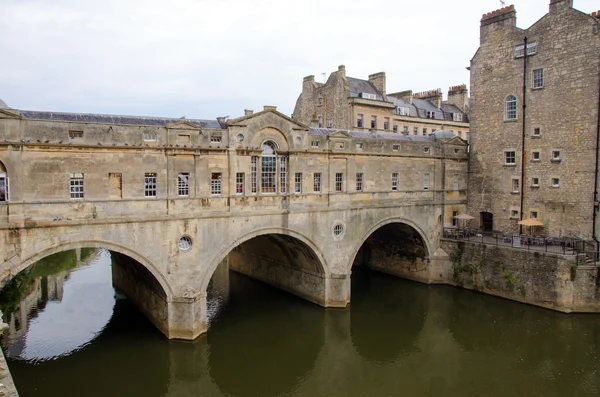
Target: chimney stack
x=458, y=96
x=248, y=112
x=433, y=96
x=498, y=19
x=560, y=5
x=378, y=80
x=406, y=95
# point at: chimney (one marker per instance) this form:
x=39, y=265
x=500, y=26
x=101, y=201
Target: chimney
x=406, y=95
x=560, y=5
x=314, y=121
x=499, y=19
x=458, y=96
x=433, y=96
x=308, y=85
x=378, y=80
x=342, y=70
x=248, y=112
x=266, y=107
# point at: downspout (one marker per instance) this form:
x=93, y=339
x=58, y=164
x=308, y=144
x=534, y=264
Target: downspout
x=595, y=208
x=523, y=132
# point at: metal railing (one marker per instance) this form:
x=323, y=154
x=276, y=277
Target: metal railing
x=588, y=258
x=558, y=245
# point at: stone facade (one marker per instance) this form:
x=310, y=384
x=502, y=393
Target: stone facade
x=342, y=101
x=554, y=173
x=179, y=196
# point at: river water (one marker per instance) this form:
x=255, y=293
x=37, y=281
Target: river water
x=73, y=335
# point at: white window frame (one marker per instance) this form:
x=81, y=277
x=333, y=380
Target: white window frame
x=514, y=214
x=520, y=51
x=532, y=48
x=216, y=183
x=317, y=182
x=282, y=174
x=556, y=155
x=5, y=182
x=329, y=123
x=538, y=78
x=254, y=174
x=386, y=123
x=535, y=181
x=395, y=148
x=339, y=182
x=183, y=184
x=216, y=139
x=555, y=181
x=149, y=137
x=359, y=181
x=455, y=185
x=537, y=132
x=426, y=180
x=515, y=185
x=150, y=184
x=76, y=186
x=240, y=182
x=535, y=153
x=457, y=117
x=395, y=180
x=510, y=108
x=298, y=183
x=506, y=157
x=315, y=144
x=406, y=129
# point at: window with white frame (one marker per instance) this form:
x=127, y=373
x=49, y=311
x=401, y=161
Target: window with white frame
x=511, y=108
x=386, y=123
x=535, y=181
x=317, y=182
x=253, y=174
x=533, y=214
x=298, y=182
x=4, y=188
x=320, y=101
x=148, y=136
x=556, y=155
x=455, y=182
x=457, y=116
x=531, y=48
x=315, y=144
x=510, y=158
x=515, y=185
x=537, y=132
x=216, y=183
x=430, y=114
x=329, y=123
x=514, y=214
x=74, y=134
x=359, y=120
x=538, y=78
x=150, y=184
x=426, y=180
x=394, y=181
x=359, y=145
x=339, y=182
x=359, y=181
x=402, y=111
x=268, y=168
x=555, y=182
x=395, y=148
x=215, y=139
x=520, y=51
x=416, y=131
x=183, y=184
x=76, y=186
x=282, y=174
x=239, y=183
x=535, y=155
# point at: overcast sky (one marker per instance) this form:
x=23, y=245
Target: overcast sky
x=209, y=58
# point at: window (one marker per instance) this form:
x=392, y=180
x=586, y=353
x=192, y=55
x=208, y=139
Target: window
x=394, y=181
x=253, y=174
x=395, y=148
x=402, y=111
x=424, y=131
x=555, y=182
x=359, y=121
x=515, y=186
x=4, y=187
x=329, y=123
x=317, y=182
x=535, y=155
x=268, y=168
x=75, y=134
x=315, y=144
x=395, y=129
x=373, y=121
x=183, y=184
x=510, y=158
x=537, y=132
x=320, y=121
x=538, y=78
x=298, y=182
x=339, y=182
x=320, y=101
x=426, y=150
x=76, y=186
x=282, y=174
x=556, y=155
x=386, y=123
x=215, y=139
x=359, y=181
x=239, y=183
x=520, y=51
x=454, y=215
x=511, y=108
x=430, y=114
x=338, y=230
x=416, y=131
x=339, y=145
x=455, y=182
x=456, y=151
x=514, y=214
x=359, y=145
x=405, y=129
x=148, y=136
x=426, y=180
x=183, y=139
x=535, y=182
x=457, y=117
x=216, y=184
x=531, y=48
x=150, y=184
x=533, y=214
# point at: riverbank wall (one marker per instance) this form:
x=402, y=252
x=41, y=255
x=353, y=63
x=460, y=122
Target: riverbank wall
x=549, y=280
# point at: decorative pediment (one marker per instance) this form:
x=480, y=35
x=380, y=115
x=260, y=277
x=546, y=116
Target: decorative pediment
x=339, y=135
x=183, y=125
x=457, y=141
x=267, y=113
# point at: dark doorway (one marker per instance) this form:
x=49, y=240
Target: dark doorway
x=487, y=221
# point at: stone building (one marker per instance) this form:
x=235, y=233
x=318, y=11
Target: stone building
x=534, y=122
x=363, y=105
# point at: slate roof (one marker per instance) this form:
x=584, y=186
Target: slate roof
x=423, y=106
x=371, y=135
x=403, y=103
x=449, y=109
x=357, y=86
x=116, y=119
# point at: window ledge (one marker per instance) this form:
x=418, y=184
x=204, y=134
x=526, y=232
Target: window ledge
x=511, y=120
x=535, y=160
x=555, y=160
x=554, y=187
x=510, y=165
x=537, y=88
x=516, y=218
x=513, y=192
x=536, y=136
x=535, y=186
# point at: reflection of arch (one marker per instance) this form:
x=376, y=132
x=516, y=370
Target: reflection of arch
x=321, y=267
x=401, y=221
x=145, y=262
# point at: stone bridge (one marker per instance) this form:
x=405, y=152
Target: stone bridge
x=291, y=206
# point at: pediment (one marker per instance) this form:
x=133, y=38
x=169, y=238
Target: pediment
x=339, y=135
x=183, y=125
x=245, y=120
x=457, y=141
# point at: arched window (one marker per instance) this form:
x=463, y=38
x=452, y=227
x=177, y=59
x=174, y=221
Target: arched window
x=4, y=185
x=511, y=108
x=268, y=168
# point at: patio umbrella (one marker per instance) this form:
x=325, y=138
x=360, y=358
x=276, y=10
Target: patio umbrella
x=464, y=218
x=531, y=223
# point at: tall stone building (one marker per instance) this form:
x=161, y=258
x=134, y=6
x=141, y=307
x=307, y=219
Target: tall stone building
x=534, y=122
x=349, y=103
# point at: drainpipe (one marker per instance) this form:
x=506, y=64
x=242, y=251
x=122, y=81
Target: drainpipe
x=595, y=209
x=523, y=132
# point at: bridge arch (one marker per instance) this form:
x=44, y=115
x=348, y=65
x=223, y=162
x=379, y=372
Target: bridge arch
x=292, y=253
x=401, y=249
x=111, y=246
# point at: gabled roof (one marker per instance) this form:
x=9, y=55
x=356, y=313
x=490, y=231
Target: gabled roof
x=240, y=121
x=357, y=86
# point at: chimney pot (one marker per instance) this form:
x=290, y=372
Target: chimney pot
x=248, y=112
x=266, y=107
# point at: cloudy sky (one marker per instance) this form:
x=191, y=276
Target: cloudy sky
x=209, y=58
